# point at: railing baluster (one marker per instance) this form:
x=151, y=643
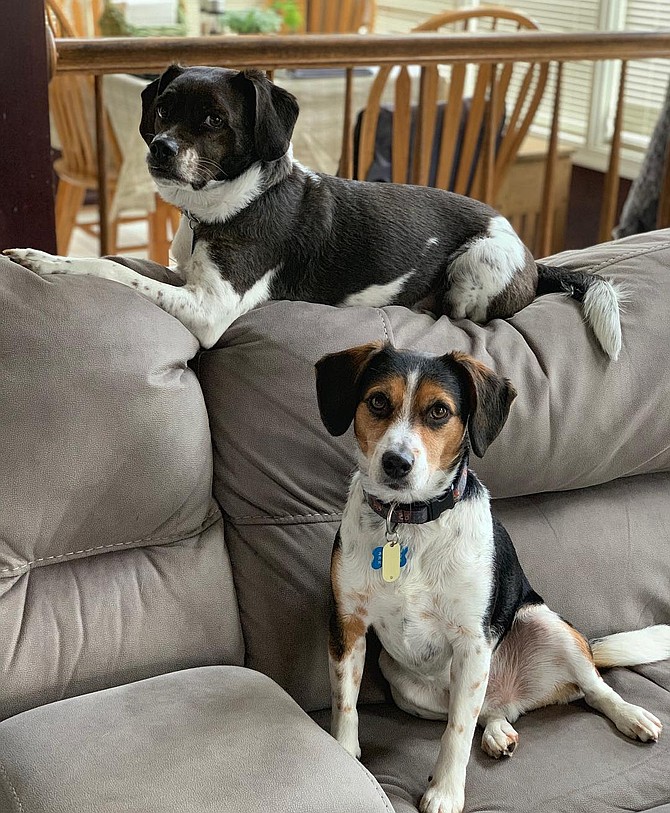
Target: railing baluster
x=611, y=188
x=548, y=212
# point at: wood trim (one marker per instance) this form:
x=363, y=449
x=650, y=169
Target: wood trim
x=27, y=200
x=346, y=167
x=548, y=211
x=663, y=217
x=101, y=148
x=119, y=55
x=450, y=126
x=402, y=125
x=425, y=131
x=611, y=187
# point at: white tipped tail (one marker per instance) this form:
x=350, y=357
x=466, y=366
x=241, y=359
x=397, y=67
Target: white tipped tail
x=633, y=648
x=601, y=310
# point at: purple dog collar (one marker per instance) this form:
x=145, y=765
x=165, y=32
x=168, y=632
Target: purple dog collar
x=416, y=513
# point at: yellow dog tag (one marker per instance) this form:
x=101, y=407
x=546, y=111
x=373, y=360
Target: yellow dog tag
x=391, y=561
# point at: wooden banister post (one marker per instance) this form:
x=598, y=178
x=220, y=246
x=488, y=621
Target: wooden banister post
x=101, y=155
x=547, y=214
x=611, y=188
x=346, y=167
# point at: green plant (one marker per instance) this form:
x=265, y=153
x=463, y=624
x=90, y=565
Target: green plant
x=252, y=21
x=290, y=12
x=113, y=23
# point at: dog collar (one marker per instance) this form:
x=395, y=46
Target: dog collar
x=192, y=222
x=416, y=513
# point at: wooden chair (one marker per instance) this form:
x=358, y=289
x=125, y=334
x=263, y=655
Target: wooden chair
x=336, y=16
x=72, y=106
x=487, y=110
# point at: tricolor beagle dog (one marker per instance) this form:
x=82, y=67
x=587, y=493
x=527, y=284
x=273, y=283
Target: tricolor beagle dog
x=257, y=225
x=420, y=557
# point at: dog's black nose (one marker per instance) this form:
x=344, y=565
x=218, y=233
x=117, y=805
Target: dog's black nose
x=163, y=147
x=397, y=464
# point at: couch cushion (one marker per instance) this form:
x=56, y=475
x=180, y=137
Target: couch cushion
x=112, y=559
x=579, y=420
x=217, y=738
x=570, y=759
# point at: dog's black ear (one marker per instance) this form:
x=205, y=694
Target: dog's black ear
x=275, y=115
x=337, y=379
x=491, y=397
x=149, y=95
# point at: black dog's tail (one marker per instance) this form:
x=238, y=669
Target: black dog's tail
x=600, y=300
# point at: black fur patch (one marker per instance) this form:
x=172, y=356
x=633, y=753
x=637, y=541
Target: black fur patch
x=336, y=640
x=511, y=588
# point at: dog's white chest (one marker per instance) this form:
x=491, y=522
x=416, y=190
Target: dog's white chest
x=442, y=592
x=413, y=624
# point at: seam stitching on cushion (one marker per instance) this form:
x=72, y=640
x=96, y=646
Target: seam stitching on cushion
x=574, y=254
x=380, y=313
x=205, y=524
x=376, y=786
x=336, y=515
x=8, y=783
x=386, y=325
x=631, y=254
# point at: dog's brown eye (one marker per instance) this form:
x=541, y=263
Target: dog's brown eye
x=160, y=112
x=215, y=122
x=378, y=403
x=438, y=412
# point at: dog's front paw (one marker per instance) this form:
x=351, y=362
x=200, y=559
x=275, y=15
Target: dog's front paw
x=351, y=746
x=436, y=800
x=38, y=261
x=639, y=724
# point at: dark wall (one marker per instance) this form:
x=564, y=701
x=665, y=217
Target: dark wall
x=26, y=184
x=586, y=193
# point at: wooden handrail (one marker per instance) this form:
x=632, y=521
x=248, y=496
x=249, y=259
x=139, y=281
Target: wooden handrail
x=132, y=55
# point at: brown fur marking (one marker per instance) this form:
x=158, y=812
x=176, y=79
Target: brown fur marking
x=565, y=693
x=443, y=443
x=582, y=643
x=370, y=429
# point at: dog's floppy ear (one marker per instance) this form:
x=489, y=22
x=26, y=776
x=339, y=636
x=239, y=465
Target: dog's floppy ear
x=149, y=95
x=491, y=397
x=337, y=379
x=275, y=115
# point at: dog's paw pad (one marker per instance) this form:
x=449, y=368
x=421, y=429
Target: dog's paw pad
x=499, y=739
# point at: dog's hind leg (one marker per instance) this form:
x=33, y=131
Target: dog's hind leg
x=493, y=276
x=543, y=661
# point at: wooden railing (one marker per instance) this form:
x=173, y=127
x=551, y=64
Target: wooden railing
x=102, y=56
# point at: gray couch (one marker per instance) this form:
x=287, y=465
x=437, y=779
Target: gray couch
x=165, y=534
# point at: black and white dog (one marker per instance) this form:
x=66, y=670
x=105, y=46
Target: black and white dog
x=420, y=558
x=257, y=225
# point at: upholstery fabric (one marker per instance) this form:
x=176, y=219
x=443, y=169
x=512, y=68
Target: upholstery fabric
x=215, y=738
x=579, y=420
x=113, y=564
x=570, y=759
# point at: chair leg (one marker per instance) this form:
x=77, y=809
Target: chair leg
x=69, y=200
x=159, y=240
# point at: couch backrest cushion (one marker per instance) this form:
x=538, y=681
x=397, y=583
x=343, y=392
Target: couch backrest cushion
x=112, y=559
x=579, y=420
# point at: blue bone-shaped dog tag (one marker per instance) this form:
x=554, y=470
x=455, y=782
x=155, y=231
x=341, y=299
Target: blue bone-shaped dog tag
x=377, y=557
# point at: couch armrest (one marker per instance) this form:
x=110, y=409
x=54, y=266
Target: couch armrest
x=218, y=738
